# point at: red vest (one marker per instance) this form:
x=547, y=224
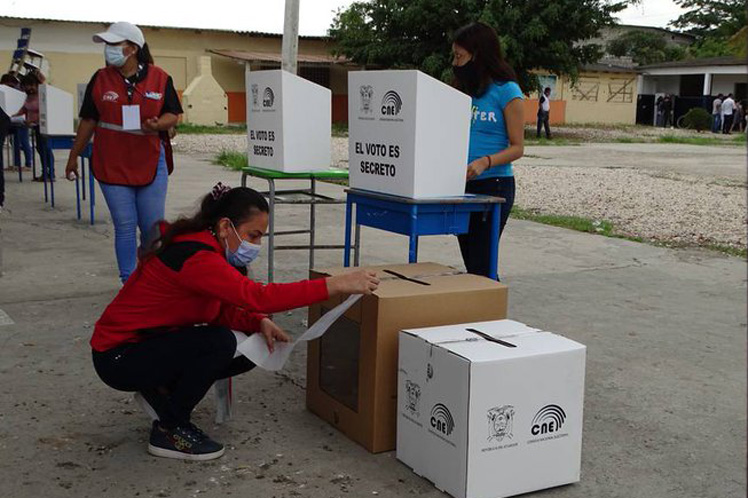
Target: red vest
x=126, y=157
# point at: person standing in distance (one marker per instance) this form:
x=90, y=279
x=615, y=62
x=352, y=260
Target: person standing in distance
x=130, y=104
x=544, y=112
x=496, y=132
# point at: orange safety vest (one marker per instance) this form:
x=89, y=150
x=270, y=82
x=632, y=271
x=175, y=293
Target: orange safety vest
x=128, y=157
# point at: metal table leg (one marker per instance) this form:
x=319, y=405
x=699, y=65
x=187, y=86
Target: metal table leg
x=312, y=221
x=91, y=192
x=51, y=174
x=347, y=250
x=271, y=235
x=413, y=245
x=83, y=176
x=493, y=266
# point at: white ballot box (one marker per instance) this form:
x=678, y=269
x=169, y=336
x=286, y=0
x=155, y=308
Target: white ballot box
x=11, y=100
x=408, y=134
x=489, y=410
x=289, y=122
x=55, y=111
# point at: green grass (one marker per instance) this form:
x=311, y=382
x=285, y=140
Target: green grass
x=553, y=141
x=607, y=229
x=340, y=129
x=232, y=159
x=577, y=223
x=672, y=139
x=192, y=129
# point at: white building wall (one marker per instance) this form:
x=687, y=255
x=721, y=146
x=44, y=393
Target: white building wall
x=725, y=83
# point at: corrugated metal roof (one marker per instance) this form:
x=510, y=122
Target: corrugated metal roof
x=261, y=34
x=254, y=56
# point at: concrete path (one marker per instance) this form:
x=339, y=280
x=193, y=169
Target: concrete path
x=665, y=409
x=728, y=162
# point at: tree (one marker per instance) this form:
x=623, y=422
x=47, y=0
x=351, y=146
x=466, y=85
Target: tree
x=714, y=23
x=645, y=47
x=535, y=34
x=711, y=18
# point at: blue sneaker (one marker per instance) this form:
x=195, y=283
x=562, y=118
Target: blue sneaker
x=185, y=442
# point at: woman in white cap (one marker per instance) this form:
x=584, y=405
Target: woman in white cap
x=130, y=105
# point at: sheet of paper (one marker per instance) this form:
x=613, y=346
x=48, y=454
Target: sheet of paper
x=130, y=117
x=256, y=349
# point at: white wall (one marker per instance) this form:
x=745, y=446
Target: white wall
x=662, y=84
x=725, y=83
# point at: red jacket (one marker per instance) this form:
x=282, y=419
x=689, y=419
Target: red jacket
x=126, y=157
x=192, y=283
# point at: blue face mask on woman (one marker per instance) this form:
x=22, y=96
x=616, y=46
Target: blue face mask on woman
x=114, y=55
x=244, y=254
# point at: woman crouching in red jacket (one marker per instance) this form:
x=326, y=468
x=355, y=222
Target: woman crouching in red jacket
x=168, y=333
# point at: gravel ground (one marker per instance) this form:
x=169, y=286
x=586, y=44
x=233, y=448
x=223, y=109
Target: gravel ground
x=669, y=208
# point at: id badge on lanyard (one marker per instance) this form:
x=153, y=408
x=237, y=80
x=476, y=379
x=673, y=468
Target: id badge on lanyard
x=130, y=113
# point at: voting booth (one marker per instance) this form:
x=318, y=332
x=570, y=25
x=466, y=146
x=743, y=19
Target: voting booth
x=491, y=409
x=11, y=100
x=408, y=134
x=289, y=122
x=55, y=111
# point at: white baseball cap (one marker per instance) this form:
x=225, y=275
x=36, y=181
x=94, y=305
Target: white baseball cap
x=119, y=32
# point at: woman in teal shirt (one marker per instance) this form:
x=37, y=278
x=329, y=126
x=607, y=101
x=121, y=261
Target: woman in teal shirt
x=496, y=131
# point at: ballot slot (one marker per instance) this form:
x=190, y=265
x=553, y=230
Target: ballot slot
x=339, y=361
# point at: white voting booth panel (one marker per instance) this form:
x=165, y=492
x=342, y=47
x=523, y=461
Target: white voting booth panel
x=11, y=100
x=289, y=122
x=408, y=134
x=492, y=409
x=55, y=111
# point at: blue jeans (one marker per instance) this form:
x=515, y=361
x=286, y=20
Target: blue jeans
x=21, y=143
x=716, y=123
x=132, y=208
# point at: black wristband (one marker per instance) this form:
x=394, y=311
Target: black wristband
x=490, y=163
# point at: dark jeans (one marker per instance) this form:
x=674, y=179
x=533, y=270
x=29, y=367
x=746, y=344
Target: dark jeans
x=44, y=153
x=173, y=370
x=21, y=143
x=475, y=245
x=543, y=117
x=727, y=125
x=2, y=170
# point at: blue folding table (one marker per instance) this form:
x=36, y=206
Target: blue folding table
x=416, y=217
x=65, y=142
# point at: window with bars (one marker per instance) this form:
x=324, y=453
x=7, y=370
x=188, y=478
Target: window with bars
x=621, y=90
x=586, y=89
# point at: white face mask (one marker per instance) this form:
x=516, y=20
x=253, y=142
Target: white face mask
x=114, y=55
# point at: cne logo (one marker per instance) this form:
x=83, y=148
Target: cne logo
x=441, y=420
x=110, y=96
x=392, y=104
x=549, y=419
x=268, y=97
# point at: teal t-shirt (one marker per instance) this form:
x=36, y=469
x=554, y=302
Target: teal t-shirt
x=488, y=133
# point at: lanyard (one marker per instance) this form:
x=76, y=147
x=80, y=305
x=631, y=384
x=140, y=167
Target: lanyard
x=131, y=86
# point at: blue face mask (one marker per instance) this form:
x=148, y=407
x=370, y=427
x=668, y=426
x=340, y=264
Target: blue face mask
x=114, y=55
x=245, y=253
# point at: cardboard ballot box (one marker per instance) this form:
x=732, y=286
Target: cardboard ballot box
x=11, y=100
x=408, y=134
x=55, y=111
x=488, y=410
x=352, y=369
x=289, y=122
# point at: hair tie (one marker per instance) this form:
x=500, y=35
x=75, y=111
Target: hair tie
x=219, y=191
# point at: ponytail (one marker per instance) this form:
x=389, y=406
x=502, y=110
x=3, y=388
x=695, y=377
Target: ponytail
x=144, y=55
x=237, y=204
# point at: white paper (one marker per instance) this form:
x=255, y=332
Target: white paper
x=256, y=349
x=130, y=117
